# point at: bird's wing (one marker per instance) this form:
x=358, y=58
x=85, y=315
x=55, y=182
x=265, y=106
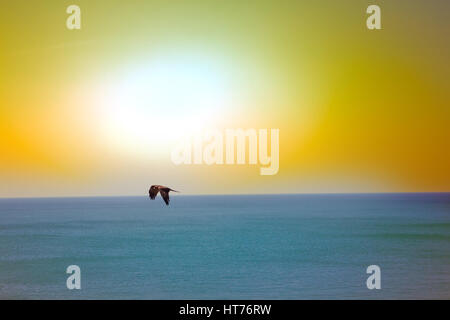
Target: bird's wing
x=153, y=192
x=165, y=195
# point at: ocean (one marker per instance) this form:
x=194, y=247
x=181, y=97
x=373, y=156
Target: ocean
x=227, y=247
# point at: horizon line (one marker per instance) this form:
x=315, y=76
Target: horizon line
x=231, y=194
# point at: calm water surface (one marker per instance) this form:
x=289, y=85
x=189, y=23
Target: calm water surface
x=227, y=247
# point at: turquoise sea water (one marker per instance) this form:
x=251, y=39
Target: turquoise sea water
x=227, y=247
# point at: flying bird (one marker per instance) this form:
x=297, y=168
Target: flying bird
x=153, y=192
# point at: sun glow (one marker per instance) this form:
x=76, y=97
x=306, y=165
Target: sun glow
x=152, y=106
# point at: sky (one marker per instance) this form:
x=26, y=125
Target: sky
x=97, y=111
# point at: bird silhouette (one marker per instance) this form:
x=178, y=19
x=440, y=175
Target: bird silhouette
x=164, y=191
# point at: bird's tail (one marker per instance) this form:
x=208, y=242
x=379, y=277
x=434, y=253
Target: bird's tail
x=174, y=190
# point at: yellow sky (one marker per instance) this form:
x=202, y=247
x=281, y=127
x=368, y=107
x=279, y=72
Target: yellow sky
x=97, y=111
